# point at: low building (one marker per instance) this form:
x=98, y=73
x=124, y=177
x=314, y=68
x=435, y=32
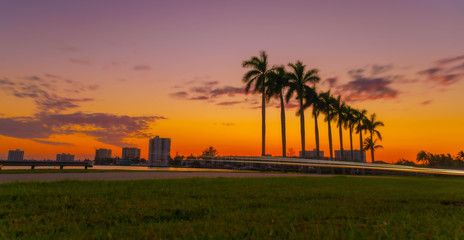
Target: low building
x=64, y=157
x=15, y=155
x=312, y=154
x=347, y=155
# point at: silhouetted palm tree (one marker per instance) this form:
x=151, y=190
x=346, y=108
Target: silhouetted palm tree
x=327, y=103
x=297, y=84
x=372, y=145
x=278, y=81
x=258, y=76
x=461, y=155
x=350, y=122
x=313, y=99
x=423, y=157
x=360, y=116
x=339, y=109
x=371, y=124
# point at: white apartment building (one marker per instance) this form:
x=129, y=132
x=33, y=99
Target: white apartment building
x=15, y=155
x=159, y=151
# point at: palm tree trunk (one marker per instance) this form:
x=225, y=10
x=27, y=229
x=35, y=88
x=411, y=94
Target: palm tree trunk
x=316, y=130
x=361, y=145
x=330, y=140
x=263, y=113
x=340, y=131
x=372, y=154
x=302, y=127
x=282, y=122
x=351, y=143
x=372, y=149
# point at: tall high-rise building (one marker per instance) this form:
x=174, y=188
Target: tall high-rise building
x=64, y=157
x=130, y=153
x=102, y=153
x=15, y=155
x=159, y=151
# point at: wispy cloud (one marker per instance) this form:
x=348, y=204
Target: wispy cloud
x=228, y=103
x=106, y=128
x=180, y=94
x=451, y=60
x=227, y=90
x=426, y=102
x=199, y=98
x=367, y=84
x=45, y=94
x=6, y=82
x=142, y=68
x=52, y=142
x=330, y=82
x=208, y=90
x=445, y=72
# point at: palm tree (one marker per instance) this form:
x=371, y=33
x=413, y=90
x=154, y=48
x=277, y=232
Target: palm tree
x=297, y=84
x=360, y=115
x=350, y=117
x=339, y=109
x=424, y=157
x=461, y=155
x=313, y=99
x=371, y=125
x=369, y=144
x=278, y=81
x=257, y=76
x=326, y=106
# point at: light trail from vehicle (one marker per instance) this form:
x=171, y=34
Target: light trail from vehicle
x=335, y=164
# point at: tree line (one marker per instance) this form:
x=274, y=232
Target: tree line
x=299, y=83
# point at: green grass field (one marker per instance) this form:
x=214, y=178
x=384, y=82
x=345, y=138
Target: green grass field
x=51, y=170
x=233, y=208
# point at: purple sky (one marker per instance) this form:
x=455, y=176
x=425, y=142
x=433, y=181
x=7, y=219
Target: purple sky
x=129, y=58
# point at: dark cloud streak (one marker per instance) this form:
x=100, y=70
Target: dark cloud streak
x=106, y=128
x=446, y=71
x=367, y=84
x=43, y=92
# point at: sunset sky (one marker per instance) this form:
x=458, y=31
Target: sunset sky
x=80, y=75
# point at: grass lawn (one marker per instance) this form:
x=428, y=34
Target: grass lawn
x=235, y=208
x=82, y=170
x=52, y=170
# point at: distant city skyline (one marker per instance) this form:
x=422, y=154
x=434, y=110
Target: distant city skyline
x=77, y=76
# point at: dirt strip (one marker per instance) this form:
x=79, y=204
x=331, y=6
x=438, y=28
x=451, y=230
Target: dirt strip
x=133, y=175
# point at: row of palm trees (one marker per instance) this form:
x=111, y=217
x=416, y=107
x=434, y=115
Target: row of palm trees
x=300, y=83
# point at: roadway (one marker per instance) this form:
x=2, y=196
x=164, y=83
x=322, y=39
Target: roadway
x=392, y=168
